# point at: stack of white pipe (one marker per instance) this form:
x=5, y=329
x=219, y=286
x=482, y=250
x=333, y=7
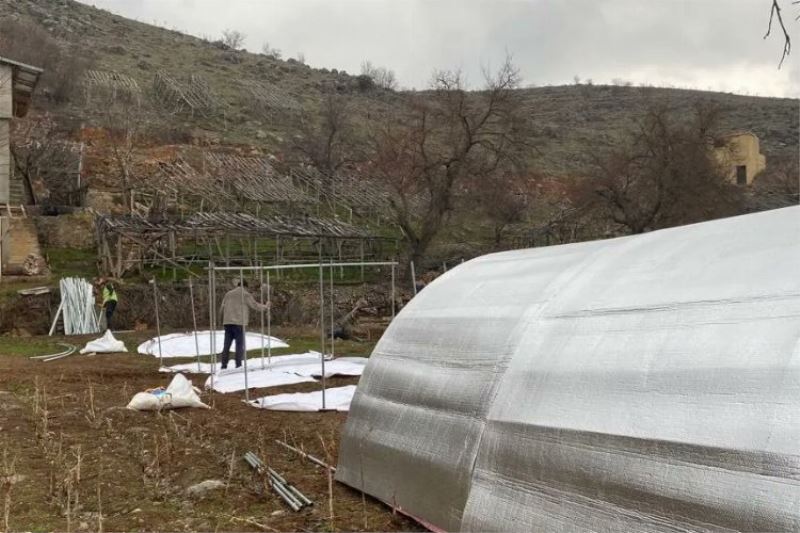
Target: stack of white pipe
x=77, y=303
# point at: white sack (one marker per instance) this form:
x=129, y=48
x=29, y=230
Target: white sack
x=179, y=393
x=105, y=344
x=337, y=398
x=183, y=344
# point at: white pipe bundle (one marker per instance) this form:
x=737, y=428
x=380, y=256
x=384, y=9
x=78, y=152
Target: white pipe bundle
x=77, y=303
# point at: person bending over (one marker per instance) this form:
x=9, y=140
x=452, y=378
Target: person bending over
x=236, y=305
x=109, y=302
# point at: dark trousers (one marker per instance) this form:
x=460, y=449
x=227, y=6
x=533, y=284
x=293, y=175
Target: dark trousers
x=110, y=307
x=233, y=332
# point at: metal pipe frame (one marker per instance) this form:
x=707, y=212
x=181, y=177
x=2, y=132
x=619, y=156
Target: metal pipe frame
x=194, y=323
x=158, y=324
x=212, y=270
x=244, y=337
x=305, y=265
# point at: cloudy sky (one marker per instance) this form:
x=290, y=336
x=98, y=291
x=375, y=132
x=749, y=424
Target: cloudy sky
x=703, y=44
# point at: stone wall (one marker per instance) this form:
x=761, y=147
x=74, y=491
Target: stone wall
x=75, y=230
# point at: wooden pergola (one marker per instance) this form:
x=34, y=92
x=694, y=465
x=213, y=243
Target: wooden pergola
x=131, y=242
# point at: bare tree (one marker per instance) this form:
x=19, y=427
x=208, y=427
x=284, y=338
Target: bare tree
x=445, y=137
x=125, y=120
x=29, y=43
x=503, y=197
x=667, y=174
x=233, y=39
x=777, y=186
x=269, y=51
x=326, y=138
x=776, y=14
x=381, y=76
x=47, y=164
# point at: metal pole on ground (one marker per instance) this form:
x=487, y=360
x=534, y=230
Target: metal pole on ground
x=269, y=322
x=158, y=323
x=244, y=335
x=261, y=291
x=194, y=323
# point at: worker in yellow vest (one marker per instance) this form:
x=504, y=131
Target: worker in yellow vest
x=109, y=302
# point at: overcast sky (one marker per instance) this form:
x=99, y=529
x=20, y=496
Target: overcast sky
x=703, y=44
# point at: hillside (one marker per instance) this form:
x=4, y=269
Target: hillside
x=570, y=121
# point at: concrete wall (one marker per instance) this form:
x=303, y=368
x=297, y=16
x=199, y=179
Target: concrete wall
x=6, y=112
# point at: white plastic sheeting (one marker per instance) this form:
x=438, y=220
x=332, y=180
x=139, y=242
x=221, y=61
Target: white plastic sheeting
x=77, y=306
x=283, y=370
x=183, y=344
x=646, y=383
x=336, y=399
x=256, y=379
x=105, y=344
x=188, y=368
x=179, y=393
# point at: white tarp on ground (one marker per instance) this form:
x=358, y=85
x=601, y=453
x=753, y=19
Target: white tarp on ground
x=188, y=368
x=256, y=379
x=284, y=370
x=647, y=383
x=179, y=393
x=105, y=344
x=337, y=398
x=183, y=344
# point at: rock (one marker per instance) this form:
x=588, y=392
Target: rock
x=277, y=513
x=202, y=488
x=261, y=134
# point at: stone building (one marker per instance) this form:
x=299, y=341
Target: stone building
x=741, y=155
x=17, y=82
x=19, y=245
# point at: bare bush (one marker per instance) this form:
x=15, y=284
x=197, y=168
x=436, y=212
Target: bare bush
x=31, y=44
x=382, y=77
x=233, y=39
x=48, y=164
x=269, y=51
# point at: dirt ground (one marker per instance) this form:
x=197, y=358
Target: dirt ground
x=74, y=459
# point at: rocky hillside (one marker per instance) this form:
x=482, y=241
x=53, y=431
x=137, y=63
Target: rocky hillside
x=235, y=97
